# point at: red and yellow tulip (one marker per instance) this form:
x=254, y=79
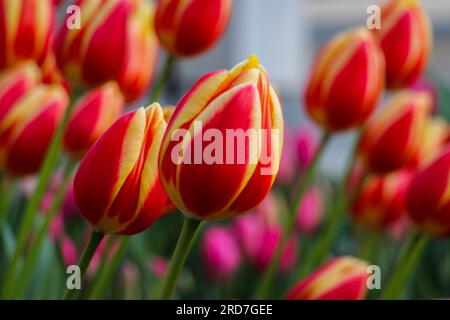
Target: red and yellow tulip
x=93, y=114
x=212, y=180
x=15, y=83
x=27, y=128
x=117, y=187
x=191, y=27
x=346, y=81
x=394, y=136
x=343, y=278
x=405, y=37
x=26, y=30
x=428, y=197
x=116, y=41
x=435, y=138
x=381, y=201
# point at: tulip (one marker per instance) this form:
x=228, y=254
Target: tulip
x=159, y=266
x=266, y=247
x=248, y=231
x=117, y=187
x=427, y=200
x=392, y=138
x=69, y=207
x=57, y=227
x=310, y=212
x=220, y=251
x=288, y=164
x=435, y=138
x=213, y=181
x=405, y=38
x=346, y=81
x=306, y=146
x=15, y=83
x=69, y=251
x=381, y=200
x=26, y=30
x=27, y=128
x=116, y=41
x=342, y=278
x=93, y=114
x=187, y=28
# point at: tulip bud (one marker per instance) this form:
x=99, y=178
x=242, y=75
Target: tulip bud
x=310, y=211
x=393, y=137
x=187, y=28
x=117, y=187
x=342, y=278
x=435, y=137
x=92, y=116
x=26, y=130
x=427, y=199
x=26, y=31
x=15, y=83
x=346, y=81
x=220, y=252
x=267, y=245
x=405, y=38
x=234, y=172
x=381, y=200
x=116, y=41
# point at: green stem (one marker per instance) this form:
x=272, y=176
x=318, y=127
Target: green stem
x=163, y=78
x=107, y=270
x=369, y=245
x=49, y=163
x=6, y=197
x=405, y=267
x=266, y=282
x=36, y=246
x=88, y=253
x=185, y=240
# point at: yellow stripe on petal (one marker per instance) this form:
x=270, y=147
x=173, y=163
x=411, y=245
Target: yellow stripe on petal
x=150, y=173
x=12, y=16
x=131, y=149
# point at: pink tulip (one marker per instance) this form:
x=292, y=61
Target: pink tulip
x=306, y=146
x=69, y=208
x=310, y=212
x=159, y=267
x=248, y=230
x=69, y=251
x=220, y=251
x=267, y=248
x=57, y=227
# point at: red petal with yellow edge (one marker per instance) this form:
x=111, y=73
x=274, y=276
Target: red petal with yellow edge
x=26, y=153
x=93, y=194
x=207, y=188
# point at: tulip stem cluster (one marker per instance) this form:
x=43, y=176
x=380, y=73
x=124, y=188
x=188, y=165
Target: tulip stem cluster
x=404, y=268
x=88, y=253
x=308, y=178
x=36, y=246
x=163, y=78
x=185, y=241
x=49, y=163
